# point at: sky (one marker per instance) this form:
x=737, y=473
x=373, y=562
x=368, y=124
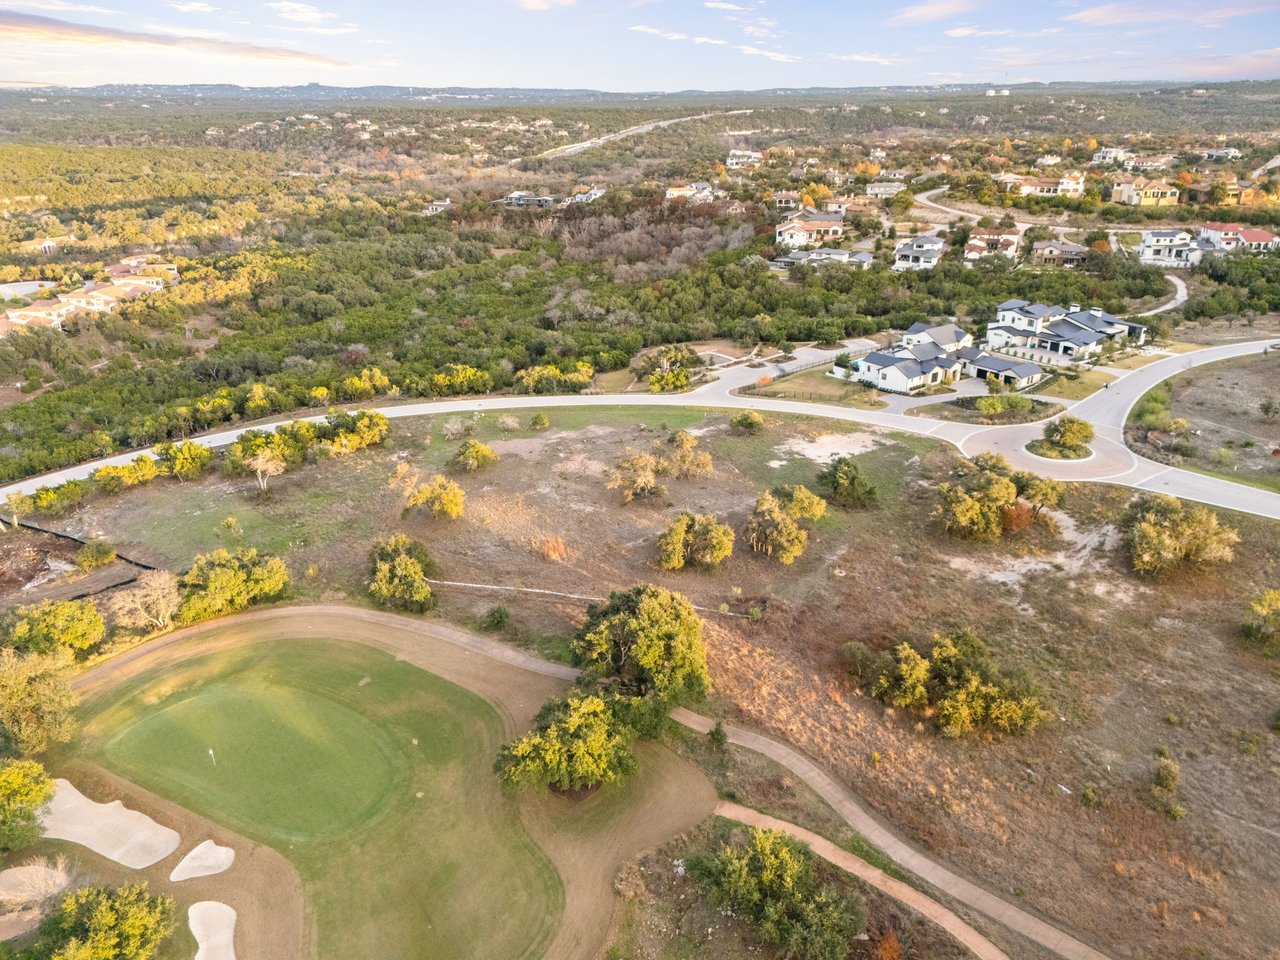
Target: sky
x=635, y=45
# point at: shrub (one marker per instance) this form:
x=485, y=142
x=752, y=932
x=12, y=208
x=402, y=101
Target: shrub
x=974, y=509
x=539, y=421
x=1161, y=534
x=772, y=530
x=398, y=575
x=444, y=498
x=1262, y=622
x=959, y=686
x=496, y=618
x=104, y=923
x=843, y=480
x=746, y=422
x=95, y=555
x=50, y=625
x=25, y=789
x=636, y=475
x=472, y=456
x=771, y=881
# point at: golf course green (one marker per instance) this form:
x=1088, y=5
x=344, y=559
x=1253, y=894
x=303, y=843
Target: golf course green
x=371, y=775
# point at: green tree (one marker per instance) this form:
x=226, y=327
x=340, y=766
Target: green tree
x=772, y=530
x=472, y=456
x=649, y=639
x=185, y=460
x=636, y=475
x=771, y=881
x=25, y=789
x=37, y=706
x=695, y=539
x=973, y=510
x=1069, y=433
x=843, y=480
x=43, y=627
x=576, y=743
x=224, y=582
x=1043, y=493
x=104, y=923
x=398, y=578
x=801, y=503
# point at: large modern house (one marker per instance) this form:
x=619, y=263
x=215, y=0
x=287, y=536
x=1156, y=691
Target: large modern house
x=1072, y=332
x=991, y=241
x=807, y=227
x=859, y=259
x=927, y=356
x=918, y=253
x=1172, y=248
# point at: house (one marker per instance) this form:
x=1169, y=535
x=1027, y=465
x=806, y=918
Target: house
x=1058, y=253
x=522, y=200
x=1172, y=248
x=1221, y=154
x=918, y=253
x=586, y=196
x=1072, y=332
x=807, y=228
x=927, y=356
x=437, y=206
x=695, y=193
x=884, y=190
x=1070, y=184
x=1228, y=193
x=1109, y=155
x=877, y=155
x=738, y=159
x=900, y=175
x=843, y=205
x=1048, y=160
x=860, y=258
x=43, y=245
x=1140, y=192
x=991, y=241
x=1147, y=164
x=1237, y=236
x=787, y=200
x=42, y=313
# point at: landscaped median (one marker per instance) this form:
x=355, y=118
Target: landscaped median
x=993, y=411
x=1065, y=438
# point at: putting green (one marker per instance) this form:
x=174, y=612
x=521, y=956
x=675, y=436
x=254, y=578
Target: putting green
x=371, y=775
x=253, y=750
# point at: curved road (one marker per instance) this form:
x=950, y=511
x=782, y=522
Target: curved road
x=1107, y=410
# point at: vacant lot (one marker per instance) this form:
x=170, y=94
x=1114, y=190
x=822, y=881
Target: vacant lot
x=1086, y=383
x=370, y=775
x=964, y=410
x=1228, y=432
x=1129, y=666
x=36, y=566
x=818, y=386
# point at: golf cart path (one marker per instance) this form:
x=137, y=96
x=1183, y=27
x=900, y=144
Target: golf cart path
x=517, y=683
x=1113, y=462
x=980, y=946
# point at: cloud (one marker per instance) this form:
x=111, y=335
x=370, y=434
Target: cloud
x=1253, y=65
x=721, y=5
x=29, y=27
x=544, y=4
x=299, y=12
x=976, y=32
x=195, y=6
x=1116, y=14
x=670, y=35
x=930, y=11
x=61, y=6
x=773, y=55
x=864, y=58
x=337, y=31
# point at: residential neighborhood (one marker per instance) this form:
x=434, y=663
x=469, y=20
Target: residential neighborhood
x=130, y=278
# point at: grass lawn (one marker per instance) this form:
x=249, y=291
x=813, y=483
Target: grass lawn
x=817, y=386
x=964, y=412
x=615, y=381
x=370, y=775
x=1135, y=362
x=1088, y=383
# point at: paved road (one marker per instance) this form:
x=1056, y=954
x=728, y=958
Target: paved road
x=573, y=149
x=1112, y=461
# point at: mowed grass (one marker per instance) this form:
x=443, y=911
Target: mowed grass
x=1086, y=384
x=370, y=775
x=816, y=386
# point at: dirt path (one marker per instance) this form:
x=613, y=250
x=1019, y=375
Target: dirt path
x=981, y=947
x=843, y=801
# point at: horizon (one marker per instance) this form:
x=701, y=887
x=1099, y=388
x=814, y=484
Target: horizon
x=649, y=47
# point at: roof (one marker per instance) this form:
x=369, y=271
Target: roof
x=1065, y=246
x=1255, y=235
x=946, y=334
x=996, y=364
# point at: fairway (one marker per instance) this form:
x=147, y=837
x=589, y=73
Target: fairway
x=372, y=776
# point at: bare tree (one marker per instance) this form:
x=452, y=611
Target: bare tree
x=151, y=602
x=265, y=464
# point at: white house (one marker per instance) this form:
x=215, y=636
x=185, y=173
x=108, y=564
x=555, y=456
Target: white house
x=1106, y=155
x=1172, y=248
x=860, y=259
x=1072, y=332
x=918, y=253
x=1048, y=160
x=1147, y=164
x=522, y=199
x=438, y=206
x=738, y=159
x=1237, y=236
x=1070, y=184
x=696, y=193
x=42, y=313
x=587, y=196
x=927, y=356
x=1223, y=153
x=884, y=190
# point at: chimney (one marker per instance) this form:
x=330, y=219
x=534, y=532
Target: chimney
x=1096, y=311
x=1074, y=308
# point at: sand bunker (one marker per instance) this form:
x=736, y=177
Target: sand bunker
x=33, y=882
x=825, y=448
x=128, y=837
x=205, y=860
x=213, y=925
